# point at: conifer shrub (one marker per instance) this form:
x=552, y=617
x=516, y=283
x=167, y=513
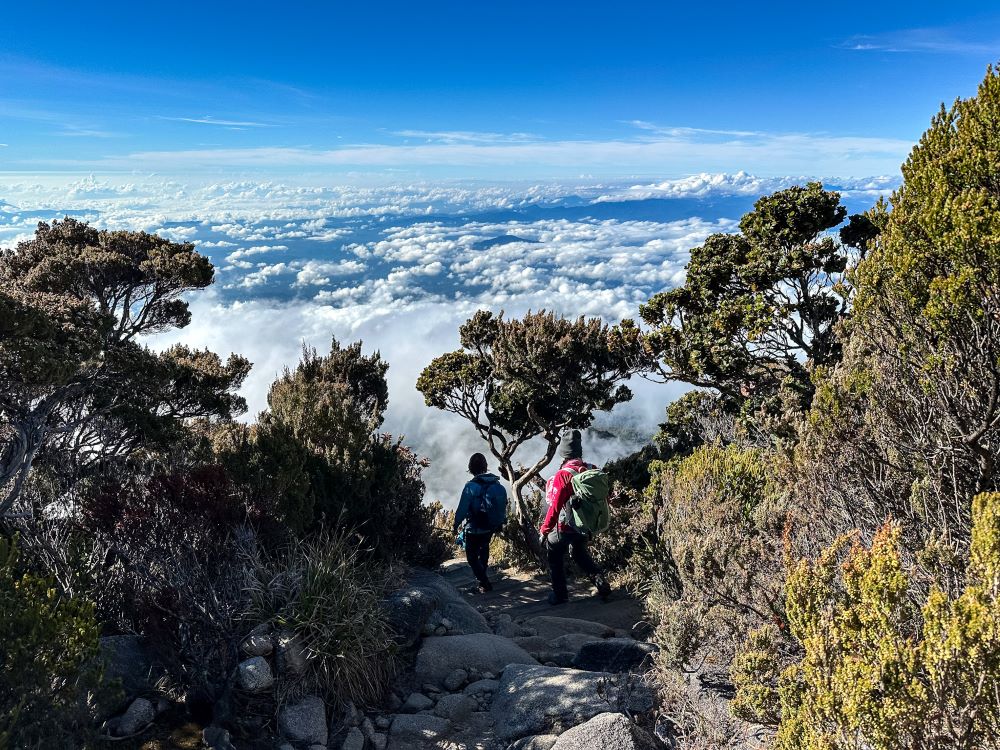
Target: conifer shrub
x=876, y=671
x=50, y=678
x=721, y=521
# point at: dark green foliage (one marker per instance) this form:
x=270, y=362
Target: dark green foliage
x=515, y=380
x=76, y=301
x=49, y=676
x=319, y=445
x=757, y=307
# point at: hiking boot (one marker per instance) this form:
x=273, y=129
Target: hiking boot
x=485, y=587
x=554, y=600
x=603, y=587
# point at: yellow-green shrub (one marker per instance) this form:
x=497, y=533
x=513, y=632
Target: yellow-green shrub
x=49, y=676
x=721, y=520
x=876, y=672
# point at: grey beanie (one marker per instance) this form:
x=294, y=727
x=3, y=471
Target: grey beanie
x=570, y=445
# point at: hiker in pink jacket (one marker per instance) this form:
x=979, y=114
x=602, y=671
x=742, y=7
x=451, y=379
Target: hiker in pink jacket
x=556, y=535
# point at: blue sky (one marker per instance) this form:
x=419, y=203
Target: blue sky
x=380, y=172
x=511, y=90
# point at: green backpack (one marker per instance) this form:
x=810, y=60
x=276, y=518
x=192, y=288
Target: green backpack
x=590, y=514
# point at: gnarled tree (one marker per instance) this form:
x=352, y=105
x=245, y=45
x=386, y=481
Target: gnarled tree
x=73, y=373
x=758, y=308
x=516, y=380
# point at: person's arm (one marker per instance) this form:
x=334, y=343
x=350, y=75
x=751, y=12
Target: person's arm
x=562, y=488
x=463, y=507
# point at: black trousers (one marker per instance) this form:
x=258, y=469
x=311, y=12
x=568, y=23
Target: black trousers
x=477, y=552
x=559, y=542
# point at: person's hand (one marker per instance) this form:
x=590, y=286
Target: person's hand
x=543, y=540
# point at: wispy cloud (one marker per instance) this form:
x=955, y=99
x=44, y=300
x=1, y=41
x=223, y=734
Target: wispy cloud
x=684, y=151
x=207, y=120
x=688, y=132
x=466, y=136
x=930, y=41
x=75, y=131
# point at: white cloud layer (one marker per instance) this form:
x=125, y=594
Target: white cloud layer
x=402, y=266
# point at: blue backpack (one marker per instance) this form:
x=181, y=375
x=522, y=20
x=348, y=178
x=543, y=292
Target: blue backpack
x=488, y=509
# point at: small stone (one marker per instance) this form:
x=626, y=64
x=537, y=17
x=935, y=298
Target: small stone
x=382, y=722
x=440, y=630
x=482, y=687
x=393, y=702
x=380, y=741
x=446, y=623
x=140, y=714
x=257, y=645
x=304, y=722
x=428, y=629
x=431, y=689
x=455, y=680
x=488, y=676
x=455, y=708
x=417, y=702
x=354, y=740
x=255, y=674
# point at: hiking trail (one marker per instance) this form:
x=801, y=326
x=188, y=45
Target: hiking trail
x=505, y=670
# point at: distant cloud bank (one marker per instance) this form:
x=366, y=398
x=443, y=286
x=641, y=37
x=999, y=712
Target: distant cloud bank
x=401, y=266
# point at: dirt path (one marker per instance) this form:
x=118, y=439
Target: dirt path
x=523, y=595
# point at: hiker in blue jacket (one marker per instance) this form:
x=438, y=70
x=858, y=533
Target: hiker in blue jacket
x=483, y=509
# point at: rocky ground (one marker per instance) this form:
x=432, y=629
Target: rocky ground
x=497, y=671
x=507, y=670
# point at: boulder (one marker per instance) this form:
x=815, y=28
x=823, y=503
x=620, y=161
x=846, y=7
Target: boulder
x=304, y=722
x=609, y=731
x=417, y=732
x=532, y=643
x=485, y=652
x=534, y=699
x=407, y=612
x=551, y=628
x=424, y=604
x=573, y=642
x=257, y=644
x=535, y=742
x=456, y=707
x=614, y=655
x=462, y=617
x=138, y=716
x=255, y=674
x=506, y=627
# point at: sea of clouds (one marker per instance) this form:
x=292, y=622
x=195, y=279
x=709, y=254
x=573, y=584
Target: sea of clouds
x=400, y=267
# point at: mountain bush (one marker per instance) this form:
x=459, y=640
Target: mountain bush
x=877, y=671
x=50, y=678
